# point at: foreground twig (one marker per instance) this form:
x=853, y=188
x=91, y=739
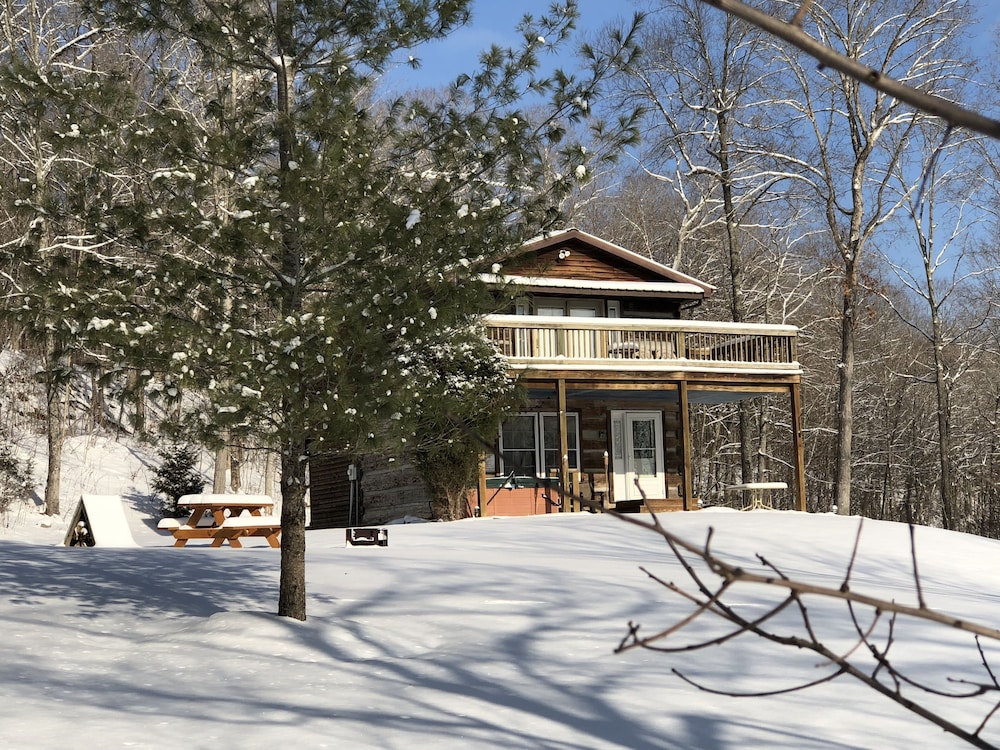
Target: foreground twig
x=952, y=113
x=883, y=676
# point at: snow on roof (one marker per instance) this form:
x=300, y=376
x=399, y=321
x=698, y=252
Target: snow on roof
x=634, y=287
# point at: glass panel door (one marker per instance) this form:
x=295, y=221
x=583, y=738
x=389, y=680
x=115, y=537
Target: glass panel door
x=549, y=343
x=584, y=342
x=643, y=446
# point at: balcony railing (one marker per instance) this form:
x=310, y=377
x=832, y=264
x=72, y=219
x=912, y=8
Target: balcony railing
x=530, y=341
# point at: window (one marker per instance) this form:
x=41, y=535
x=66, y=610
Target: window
x=583, y=308
x=531, y=440
x=555, y=310
x=562, y=306
x=550, y=442
x=517, y=445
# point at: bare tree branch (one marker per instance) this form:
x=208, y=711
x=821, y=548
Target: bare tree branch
x=953, y=114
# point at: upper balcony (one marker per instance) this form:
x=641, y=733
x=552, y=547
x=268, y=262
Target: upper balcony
x=591, y=344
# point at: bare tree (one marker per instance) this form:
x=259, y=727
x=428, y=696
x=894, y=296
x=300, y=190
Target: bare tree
x=853, y=67
x=638, y=213
x=711, y=143
x=942, y=220
x=859, y=136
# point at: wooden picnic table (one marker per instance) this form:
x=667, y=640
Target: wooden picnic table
x=225, y=518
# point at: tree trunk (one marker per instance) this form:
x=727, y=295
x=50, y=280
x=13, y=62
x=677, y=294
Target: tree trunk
x=944, y=453
x=140, y=402
x=219, y=474
x=738, y=305
x=235, y=462
x=56, y=397
x=931, y=256
x=97, y=404
x=292, y=591
x=943, y=393
x=294, y=466
x=845, y=396
x=268, y=472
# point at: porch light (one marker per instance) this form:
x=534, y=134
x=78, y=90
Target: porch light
x=510, y=483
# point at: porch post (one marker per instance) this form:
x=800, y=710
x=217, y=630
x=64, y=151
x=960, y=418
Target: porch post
x=481, y=486
x=799, y=449
x=564, y=489
x=682, y=400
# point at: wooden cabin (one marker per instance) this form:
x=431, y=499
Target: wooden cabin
x=596, y=336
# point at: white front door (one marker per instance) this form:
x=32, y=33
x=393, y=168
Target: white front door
x=637, y=450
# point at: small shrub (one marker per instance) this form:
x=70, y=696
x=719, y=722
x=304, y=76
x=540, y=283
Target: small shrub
x=177, y=475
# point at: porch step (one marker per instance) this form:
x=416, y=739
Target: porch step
x=667, y=505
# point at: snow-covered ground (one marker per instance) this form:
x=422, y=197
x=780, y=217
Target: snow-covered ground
x=484, y=633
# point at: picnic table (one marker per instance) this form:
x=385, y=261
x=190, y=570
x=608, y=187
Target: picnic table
x=756, y=491
x=225, y=518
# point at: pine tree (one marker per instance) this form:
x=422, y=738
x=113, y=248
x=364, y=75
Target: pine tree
x=16, y=476
x=472, y=393
x=301, y=237
x=177, y=475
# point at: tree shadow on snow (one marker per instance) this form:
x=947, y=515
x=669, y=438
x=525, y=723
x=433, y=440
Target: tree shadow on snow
x=144, y=583
x=505, y=691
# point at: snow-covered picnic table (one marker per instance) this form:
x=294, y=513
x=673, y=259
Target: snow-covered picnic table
x=225, y=518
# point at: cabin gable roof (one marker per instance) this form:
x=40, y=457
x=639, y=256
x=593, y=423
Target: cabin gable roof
x=575, y=260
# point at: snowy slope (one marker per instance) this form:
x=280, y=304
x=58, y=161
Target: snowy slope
x=484, y=633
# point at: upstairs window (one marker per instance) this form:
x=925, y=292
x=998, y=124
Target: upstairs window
x=559, y=307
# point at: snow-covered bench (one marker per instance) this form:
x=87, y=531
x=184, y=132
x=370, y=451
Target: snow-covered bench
x=183, y=531
x=224, y=518
x=237, y=527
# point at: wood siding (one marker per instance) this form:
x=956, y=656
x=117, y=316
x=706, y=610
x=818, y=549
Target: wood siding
x=386, y=491
x=391, y=490
x=584, y=263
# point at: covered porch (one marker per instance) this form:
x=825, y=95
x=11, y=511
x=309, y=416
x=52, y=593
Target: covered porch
x=610, y=406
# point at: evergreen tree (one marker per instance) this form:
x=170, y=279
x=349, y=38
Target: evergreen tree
x=16, y=476
x=469, y=379
x=177, y=475
x=301, y=237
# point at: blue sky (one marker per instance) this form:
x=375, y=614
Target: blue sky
x=495, y=21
